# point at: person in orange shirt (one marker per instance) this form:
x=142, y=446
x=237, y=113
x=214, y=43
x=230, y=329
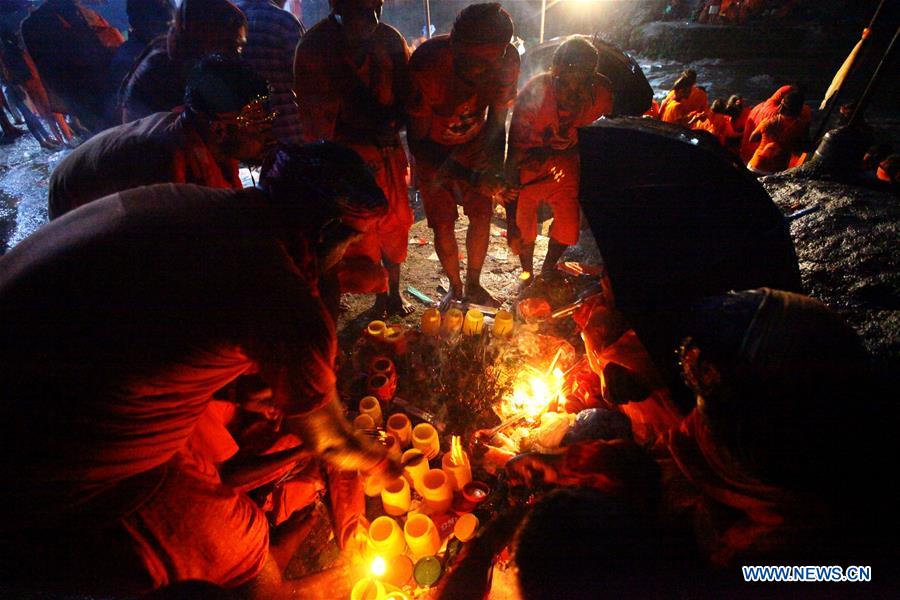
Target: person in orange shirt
x=778, y=137
x=463, y=86
x=677, y=110
x=543, y=146
x=696, y=100
x=769, y=108
x=715, y=122
x=351, y=78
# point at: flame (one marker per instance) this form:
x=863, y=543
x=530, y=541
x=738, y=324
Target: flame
x=378, y=567
x=456, y=452
x=532, y=395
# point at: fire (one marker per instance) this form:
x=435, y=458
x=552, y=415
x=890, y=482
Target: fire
x=456, y=451
x=378, y=567
x=533, y=392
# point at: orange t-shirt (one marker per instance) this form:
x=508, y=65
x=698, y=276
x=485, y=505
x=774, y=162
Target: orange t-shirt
x=537, y=121
x=458, y=109
x=696, y=102
x=675, y=112
x=773, y=153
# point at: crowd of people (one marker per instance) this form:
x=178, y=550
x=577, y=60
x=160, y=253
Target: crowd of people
x=170, y=350
x=770, y=137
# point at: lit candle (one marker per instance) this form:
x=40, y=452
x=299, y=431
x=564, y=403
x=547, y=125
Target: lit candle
x=421, y=536
x=398, y=425
x=363, y=422
x=431, y=322
x=425, y=438
x=456, y=465
x=395, y=497
x=473, y=494
x=378, y=567
x=415, y=465
x=437, y=490
x=376, y=329
x=369, y=406
x=474, y=322
x=368, y=588
x=385, y=538
x=452, y=322
x=503, y=324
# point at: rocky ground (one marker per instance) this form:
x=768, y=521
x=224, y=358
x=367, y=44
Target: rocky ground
x=849, y=255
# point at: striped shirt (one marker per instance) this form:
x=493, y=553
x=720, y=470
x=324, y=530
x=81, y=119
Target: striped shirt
x=272, y=38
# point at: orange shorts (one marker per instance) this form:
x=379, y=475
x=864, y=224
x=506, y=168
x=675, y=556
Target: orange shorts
x=441, y=198
x=389, y=238
x=554, y=183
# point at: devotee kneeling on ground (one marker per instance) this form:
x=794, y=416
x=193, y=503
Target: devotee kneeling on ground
x=122, y=318
x=778, y=463
x=225, y=120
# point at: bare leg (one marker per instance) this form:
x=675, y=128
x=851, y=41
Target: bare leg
x=513, y=235
x=526, y=257
x=554, y=253
x=287, y=537
x=391, y=302
x=448, y=253
x=66, y=134
x=477, y=238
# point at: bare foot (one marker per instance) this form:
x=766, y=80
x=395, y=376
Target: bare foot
x=397, y=306
x=478, y=295
x=454, y=295
x=50, y=145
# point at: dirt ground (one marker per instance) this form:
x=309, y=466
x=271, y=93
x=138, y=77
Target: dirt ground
x=422, y=270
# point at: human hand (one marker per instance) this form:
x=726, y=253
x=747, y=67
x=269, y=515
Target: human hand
x=327, y=433
x=531, y=469
x=255, y=396
x=509, y=193
x=578, y=268
x=491, y=184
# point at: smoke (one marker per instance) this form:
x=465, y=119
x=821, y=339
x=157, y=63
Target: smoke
x=408, y=16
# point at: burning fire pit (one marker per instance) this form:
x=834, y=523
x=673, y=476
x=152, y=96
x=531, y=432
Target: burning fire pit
x=465, y=393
